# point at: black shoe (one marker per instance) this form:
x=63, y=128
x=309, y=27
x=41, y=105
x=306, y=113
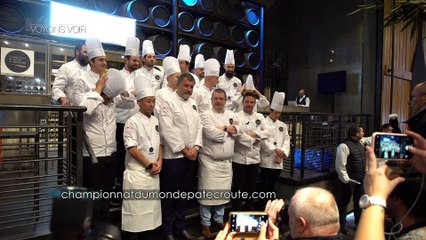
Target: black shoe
x=344, y=230
x=170, y=237
x=186, y=235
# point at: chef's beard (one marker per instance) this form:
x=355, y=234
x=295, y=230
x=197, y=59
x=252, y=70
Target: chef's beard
x=229, y=74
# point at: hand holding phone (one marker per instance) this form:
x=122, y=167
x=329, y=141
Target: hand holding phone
x=247, y=222
x=392, y=146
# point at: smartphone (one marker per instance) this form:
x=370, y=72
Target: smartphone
x=247, y=222
x=392, y=146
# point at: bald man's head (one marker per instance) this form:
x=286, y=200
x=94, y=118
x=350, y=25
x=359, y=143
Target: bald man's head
x=418, y=97
x=313, y=212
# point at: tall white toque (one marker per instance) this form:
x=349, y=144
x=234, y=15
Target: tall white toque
x=184, y=53
x=147, y=48
x=199, y=61
x=132, y=47
x=94, y=48
x=211, y=68
x=229, y=58
x=278, y=101
x=170, y=66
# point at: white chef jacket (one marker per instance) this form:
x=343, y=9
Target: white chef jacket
x=215, y=166
x=232, y=88
x=99, y=119
x=123, y=114
x=246, y=150
x=160, y=96
x=218, y=144
x=67, y=74
x=279, y=138
x=154, y=75
x=141, y=215
x=180, y=125
x=203, y=98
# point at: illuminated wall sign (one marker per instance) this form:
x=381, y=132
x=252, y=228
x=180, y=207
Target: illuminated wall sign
x=73, y=22
x=17, y=62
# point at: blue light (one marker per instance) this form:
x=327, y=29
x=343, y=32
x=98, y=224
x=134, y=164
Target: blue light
x=252, y=38
x=182, y=14
x=189, y=3
x=162, y=16
x=252, y=17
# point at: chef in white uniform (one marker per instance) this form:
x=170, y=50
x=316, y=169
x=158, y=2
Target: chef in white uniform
x=276, y=148
x=221, y=126
x=248, y=86
x=245, y=164
x=182, y=131
x=203, y=94
x=131, y=64
x=68, y=73
x=143, y=165
x=184, y=57
x=148, y=69
x=199, y=68
x=230, y=83
x=100, y=93
x=171, y=72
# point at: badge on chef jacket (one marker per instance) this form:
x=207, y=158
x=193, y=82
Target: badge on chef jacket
x=281, y=129
x=157, y=128
x=231, y=121
x=235, y=85
x=194, y=107
x=258, y=122
x=157, y=77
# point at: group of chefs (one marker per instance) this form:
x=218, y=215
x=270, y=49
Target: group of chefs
x=147, y=128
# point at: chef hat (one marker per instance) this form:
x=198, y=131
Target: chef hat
x=141, y=82
x=199, y=61
x=184, y=53
x=170, y=66
x=212, y=68
x=249, y=83
x=393, y=115
x=94, y=48
x=115, y=84
x=132, y=46
x=147, y=48
x=278, y=101
x=229, y=59
x=145, y=92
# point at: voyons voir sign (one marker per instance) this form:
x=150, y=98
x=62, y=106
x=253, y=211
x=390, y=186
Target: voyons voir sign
x=17, y=62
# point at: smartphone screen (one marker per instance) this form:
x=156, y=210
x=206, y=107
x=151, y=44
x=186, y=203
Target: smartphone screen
x=392, y=146
x=247, y=222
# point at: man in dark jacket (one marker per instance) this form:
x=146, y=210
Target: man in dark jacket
x=350, y=167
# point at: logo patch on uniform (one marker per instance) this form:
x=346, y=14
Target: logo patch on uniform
x=157, y=77
x=235, y=85
x=281, y=129
x=258, y=122
x=231, y=121
x=157, y=128
x=194, y=107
